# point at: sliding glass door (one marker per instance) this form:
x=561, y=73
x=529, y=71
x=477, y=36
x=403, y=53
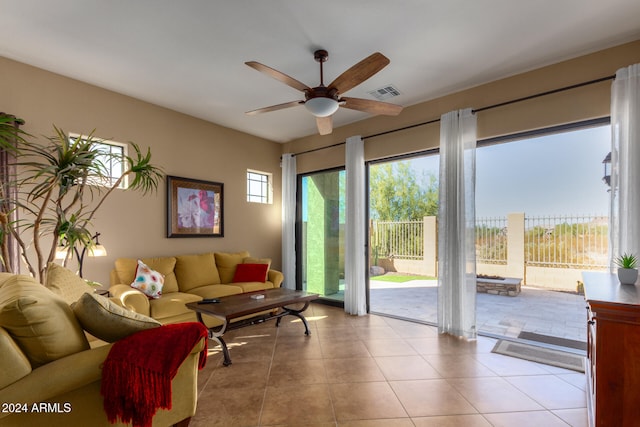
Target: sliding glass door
x=321, y=233
x=403, y=205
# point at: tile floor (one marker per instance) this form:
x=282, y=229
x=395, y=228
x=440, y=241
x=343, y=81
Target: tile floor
x=374, y=371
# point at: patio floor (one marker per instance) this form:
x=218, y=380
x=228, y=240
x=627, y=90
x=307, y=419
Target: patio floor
x=535, y=310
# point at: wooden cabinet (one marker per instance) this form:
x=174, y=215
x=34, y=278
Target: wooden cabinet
x=613, y=365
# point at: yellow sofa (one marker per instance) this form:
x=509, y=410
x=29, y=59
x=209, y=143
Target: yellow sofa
x=187, y=278
x=49, y=375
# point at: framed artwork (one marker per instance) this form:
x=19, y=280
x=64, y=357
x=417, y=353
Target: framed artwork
x=194, y=208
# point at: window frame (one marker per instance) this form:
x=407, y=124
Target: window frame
x=105, y=143
x=265, y=196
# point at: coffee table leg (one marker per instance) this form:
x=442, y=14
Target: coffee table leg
x=298, y=314
x=217, y=336
x=225, y=350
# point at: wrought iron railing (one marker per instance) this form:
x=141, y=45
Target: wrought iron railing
x=491, y=240
x=565, y=241
x=397, y=239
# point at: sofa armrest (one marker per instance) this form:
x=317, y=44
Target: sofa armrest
x=75, y=381
x=276, y=278
x=58, y=377
x=113, y=278
x=130, y=298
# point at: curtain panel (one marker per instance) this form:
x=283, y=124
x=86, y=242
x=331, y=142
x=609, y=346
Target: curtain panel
x=624, y=218
x=456, y=225
x=289, y=220
x=355, y=299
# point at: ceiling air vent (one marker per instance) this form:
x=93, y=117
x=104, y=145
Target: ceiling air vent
x=385, y=92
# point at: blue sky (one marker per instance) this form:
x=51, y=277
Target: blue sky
x=547, y=175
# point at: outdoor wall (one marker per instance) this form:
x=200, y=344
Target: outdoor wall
x=570, y=106
x=565, y=279
x=322, y=257
x=131, y=225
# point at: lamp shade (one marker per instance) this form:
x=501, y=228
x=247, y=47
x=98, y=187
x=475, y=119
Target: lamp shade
x=321, y=106
x=97, y=250
x=62, y=252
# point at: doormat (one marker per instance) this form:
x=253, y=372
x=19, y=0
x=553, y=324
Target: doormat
x=534, y=353
x=547, y=339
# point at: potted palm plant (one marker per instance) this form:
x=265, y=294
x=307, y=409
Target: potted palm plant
x=55, y=189
x=627, y=268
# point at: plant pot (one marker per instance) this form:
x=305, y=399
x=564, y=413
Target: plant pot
x=627, y=276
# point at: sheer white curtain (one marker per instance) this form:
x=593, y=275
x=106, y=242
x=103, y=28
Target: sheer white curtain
x=289, y=220
x=456, y=225
x=625, y=162
x=354, y=253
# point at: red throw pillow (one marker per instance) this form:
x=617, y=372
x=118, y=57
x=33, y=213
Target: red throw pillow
x=250, y=273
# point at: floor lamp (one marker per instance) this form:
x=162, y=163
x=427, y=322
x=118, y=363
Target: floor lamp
x=91, y=250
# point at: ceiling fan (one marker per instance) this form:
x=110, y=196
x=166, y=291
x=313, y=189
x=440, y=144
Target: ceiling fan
x=322, y=101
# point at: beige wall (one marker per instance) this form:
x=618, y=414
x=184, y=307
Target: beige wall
x=131, y=225
x=566, y=107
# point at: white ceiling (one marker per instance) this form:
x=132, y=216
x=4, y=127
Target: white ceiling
x=189, y=55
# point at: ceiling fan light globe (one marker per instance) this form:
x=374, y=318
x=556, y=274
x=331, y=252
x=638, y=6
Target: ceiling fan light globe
x=322, y=107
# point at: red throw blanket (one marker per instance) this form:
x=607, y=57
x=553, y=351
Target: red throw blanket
x=137, y=374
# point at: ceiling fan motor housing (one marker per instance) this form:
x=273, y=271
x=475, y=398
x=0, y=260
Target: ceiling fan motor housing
x=321, y=92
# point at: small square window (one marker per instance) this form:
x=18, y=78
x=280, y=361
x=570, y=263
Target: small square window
x=112, y=159
x=259, y=187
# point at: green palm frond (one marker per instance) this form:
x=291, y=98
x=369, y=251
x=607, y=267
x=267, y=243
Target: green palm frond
x=11, y=136
x=145, y=175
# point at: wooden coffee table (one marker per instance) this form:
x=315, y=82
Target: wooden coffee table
x=242, y=305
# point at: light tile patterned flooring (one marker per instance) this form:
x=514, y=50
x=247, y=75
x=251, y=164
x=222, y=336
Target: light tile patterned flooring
x=374, y=371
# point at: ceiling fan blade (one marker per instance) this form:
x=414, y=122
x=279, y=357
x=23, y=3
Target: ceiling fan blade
x=360, y=72
x=371, y=106
x=289, y=81
x=275, y=107
x=325, y=125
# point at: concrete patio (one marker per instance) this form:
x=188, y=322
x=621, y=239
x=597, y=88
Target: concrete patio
x=535, y=310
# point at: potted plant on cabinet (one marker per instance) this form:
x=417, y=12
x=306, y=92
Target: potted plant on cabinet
x=627, y=268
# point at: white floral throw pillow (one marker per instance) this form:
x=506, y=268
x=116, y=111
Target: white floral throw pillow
x=148, y=281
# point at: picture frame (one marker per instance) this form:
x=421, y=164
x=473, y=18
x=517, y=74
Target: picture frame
x=194, y=208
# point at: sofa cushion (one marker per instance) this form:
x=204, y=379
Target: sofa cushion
x=65, y=283
x=250, y=273
x=227, y=262
x=126, y=269
x=194, y=271
x=254, y=286
x=217, y=291
x=40, y=322
x=172, y=305
x=13, y=363
x=107, y=321
x=4, y=277
x=148, y=281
